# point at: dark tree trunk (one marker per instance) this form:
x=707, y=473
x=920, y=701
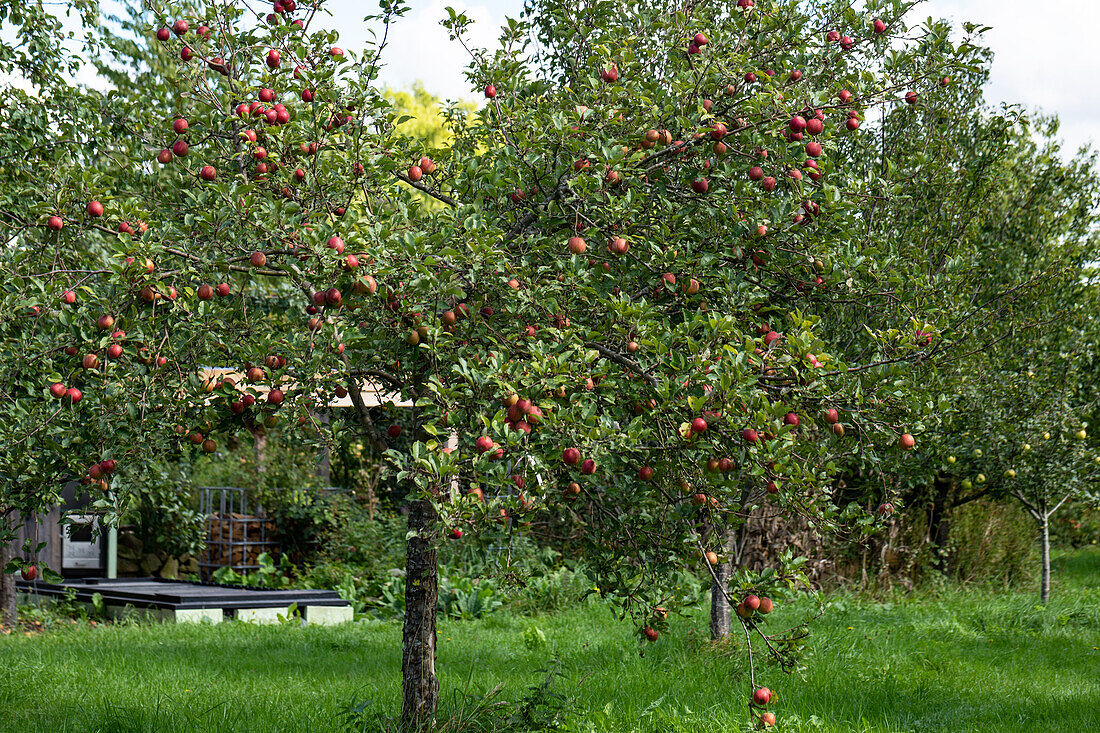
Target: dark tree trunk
x=324, y=466
x=7, y=585
x=1044, y=539
x=419, y=683
x=939, y=523
x=720, y=610
x=259, y=448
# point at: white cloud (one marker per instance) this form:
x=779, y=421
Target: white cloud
x=418, y=46
x=1045, y=52
x=1045, y=56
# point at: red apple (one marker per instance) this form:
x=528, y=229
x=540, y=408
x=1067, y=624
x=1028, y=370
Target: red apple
x=57, y=389
x=907, y=441
x=490, y=91
x=208, y=173
x=258, y=259
x=273, y=59
x=588, y=467
x=571, y=456
x=29, y=573
x=878, y=26
x=700, y=185
x=415, y=173
x=749, y=435
x=761, y=696
x=73, y=394
x=651, y=633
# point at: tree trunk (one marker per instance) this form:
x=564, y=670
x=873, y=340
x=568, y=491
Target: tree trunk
x=939, y=523
x=324, y=466
x=420, y=685
x=1044, y=538
x=7, y=585
x=259, y=448
x=720, y=610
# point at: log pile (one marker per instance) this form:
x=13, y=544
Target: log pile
x=237, y=540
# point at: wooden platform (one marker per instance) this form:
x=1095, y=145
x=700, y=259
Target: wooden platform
x=179, y=600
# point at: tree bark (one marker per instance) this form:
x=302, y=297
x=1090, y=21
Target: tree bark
x=1044, y=538
x=324, y=471
x=720, y=610
x=7, y=585
x=259, y=448
x=939, y=523
x=420, y=685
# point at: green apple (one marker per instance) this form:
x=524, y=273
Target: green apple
x=1009, y=473
x=980, y=478
x=977, y=453
x=966, y=484
x=951, y=459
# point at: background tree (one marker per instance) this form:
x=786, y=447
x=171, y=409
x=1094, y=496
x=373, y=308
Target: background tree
x=628, y=303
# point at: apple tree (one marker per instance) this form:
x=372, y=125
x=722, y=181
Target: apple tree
x=626, y=301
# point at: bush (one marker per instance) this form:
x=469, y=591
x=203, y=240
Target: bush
x=353, y=537
x=162, y=507
x=1075, y=526
x=992, y=543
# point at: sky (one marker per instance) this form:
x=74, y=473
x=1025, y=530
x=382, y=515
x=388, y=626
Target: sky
x=1045, y=52
x=1045, y=55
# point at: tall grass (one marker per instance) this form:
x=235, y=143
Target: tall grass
x=946, y=659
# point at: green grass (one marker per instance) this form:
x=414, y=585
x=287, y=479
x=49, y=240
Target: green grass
x=946, y=660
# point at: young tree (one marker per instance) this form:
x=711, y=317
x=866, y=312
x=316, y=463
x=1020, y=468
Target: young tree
x=627, y=299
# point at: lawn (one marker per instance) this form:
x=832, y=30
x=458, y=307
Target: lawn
x=950, y=660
